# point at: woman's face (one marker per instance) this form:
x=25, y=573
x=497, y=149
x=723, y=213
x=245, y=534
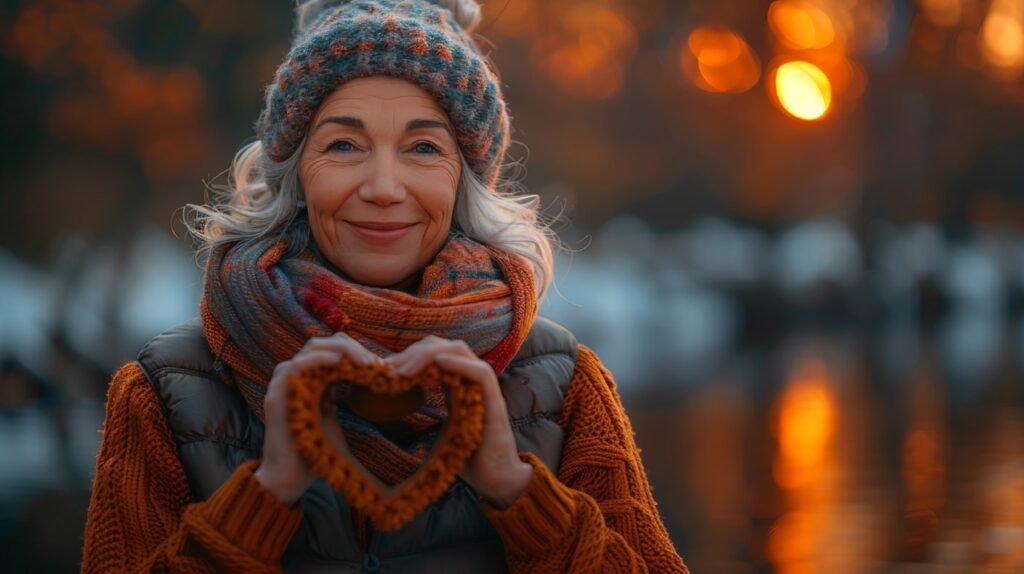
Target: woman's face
x=380, y=170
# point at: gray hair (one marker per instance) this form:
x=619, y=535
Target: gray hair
x=263, y=197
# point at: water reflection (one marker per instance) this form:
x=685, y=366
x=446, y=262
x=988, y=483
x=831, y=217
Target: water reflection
x=923, y=462
x=716, y=471
x=828, y=519
x=998, y=544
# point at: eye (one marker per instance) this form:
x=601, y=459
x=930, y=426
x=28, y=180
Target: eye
x=425, y=147
x=341, y=146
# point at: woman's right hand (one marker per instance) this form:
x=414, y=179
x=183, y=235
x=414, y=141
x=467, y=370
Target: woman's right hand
x=283, y=471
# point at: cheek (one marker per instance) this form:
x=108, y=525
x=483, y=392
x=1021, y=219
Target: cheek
x=449, y=172
x=438, y=196
x=326, y=189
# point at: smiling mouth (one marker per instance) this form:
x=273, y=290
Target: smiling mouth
x=380, y=231
x=381, y=225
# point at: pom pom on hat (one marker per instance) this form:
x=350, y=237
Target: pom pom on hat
x=307, y=12
x=466, y=12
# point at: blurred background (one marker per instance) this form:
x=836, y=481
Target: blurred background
x=793, y=231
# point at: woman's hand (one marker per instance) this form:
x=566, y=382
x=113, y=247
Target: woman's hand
x=283, y=471
x=494, y=470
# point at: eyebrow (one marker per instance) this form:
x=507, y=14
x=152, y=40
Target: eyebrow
x=420, y=124
x=340, y=120
x=358, y=123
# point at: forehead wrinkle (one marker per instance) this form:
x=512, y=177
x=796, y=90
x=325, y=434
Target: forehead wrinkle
x=362, y=105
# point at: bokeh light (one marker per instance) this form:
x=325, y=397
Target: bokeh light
x=800, y=25
x=803, y=90
x=120, y=103
x=1002, y=35
x=719, y=60
x=517, y=19
x=587, y=56
x=944, y=13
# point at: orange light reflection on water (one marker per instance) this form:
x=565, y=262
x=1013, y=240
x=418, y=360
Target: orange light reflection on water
x=924, y=466
x=804, y=469
x=1000, y=542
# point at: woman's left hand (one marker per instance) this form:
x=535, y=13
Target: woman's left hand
x=494, y=470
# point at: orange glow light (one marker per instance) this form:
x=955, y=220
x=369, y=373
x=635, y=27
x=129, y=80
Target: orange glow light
x=517, y=19
x=807, y=470
x=804, y=91
x=719, y=60
x=587, y=57
x=800, y=25
x=945, y=13
x=805, y=425
x=1002, y=35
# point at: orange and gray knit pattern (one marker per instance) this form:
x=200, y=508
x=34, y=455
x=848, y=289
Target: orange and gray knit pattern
x=597, y=515
x=142, y=517
x=260, y=306
x=415, y=40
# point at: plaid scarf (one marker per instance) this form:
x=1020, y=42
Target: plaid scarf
x=260, y=305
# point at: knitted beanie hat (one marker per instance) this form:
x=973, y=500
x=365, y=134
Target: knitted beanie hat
x=421, y=41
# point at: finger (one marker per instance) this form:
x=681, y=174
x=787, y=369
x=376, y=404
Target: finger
x=418, y=359
x=340, y=335
x=275, y=401
x=425, y=342
x=497, y=431
x=473, y=369
x=315, y=359
x=297, y=365
x=334, y=341
x=401, y=357
x=345, y=345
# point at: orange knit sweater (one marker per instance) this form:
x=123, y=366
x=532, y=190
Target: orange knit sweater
x=598, y=515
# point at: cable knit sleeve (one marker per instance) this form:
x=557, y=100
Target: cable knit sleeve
x=598, y=515
x=141, y=516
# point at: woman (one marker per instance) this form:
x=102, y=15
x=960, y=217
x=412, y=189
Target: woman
x=366, y=223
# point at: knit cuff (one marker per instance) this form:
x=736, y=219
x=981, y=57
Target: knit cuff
x=540, y=518
x=252, y=518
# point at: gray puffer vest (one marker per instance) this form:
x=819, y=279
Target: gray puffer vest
x=216, y=431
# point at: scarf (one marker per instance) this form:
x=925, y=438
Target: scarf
x=260, y=305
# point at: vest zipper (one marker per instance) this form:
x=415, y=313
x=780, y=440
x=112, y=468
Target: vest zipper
x=371, y=563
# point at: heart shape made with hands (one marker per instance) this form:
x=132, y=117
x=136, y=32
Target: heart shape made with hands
x=388, y=506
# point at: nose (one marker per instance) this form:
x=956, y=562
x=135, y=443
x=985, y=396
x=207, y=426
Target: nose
x=383, y=186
